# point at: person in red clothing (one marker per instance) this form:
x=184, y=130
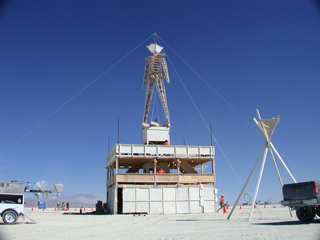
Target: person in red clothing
x=160, y=171
x=166, y=143
x=221, y=202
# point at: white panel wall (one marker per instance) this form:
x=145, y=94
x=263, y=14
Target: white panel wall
x=142, y=207
x=129, y=207
x=208, y=194
x=169, y=207
x=111, y=199
x=194, y=194
x=156, y=194
x=128, y=194
x=169, y=200
x=169, y=194
x=156, y=207
x=182, y=194
x=142, y=194
x=183, y=207
x=195, y=207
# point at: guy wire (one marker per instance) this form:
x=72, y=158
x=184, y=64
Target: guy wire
x=212, y=88
x=203, y=119
x=73, y=97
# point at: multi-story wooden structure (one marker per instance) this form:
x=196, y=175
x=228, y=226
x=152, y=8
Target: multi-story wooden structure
x=134, y=184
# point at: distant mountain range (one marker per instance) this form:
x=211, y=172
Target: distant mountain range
x=79, y=200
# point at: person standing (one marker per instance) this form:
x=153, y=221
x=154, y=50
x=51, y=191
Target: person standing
x=160, y=171
x=221, y=202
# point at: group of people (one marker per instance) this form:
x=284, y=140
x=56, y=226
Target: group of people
x=63, y=207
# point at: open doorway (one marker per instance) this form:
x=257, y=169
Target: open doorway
x=120, y=201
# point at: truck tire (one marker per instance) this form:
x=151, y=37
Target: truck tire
x=318, y=211
x=305, y=214
x=10, y=217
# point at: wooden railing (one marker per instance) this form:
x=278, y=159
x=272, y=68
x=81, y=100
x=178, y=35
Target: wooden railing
x=186, y=152
x=150, y=178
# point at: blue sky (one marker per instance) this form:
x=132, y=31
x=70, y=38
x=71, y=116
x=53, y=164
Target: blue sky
x=256, y=54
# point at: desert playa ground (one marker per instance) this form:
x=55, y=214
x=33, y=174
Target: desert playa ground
x=273, y=222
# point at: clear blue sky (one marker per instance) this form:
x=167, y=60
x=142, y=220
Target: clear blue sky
x=256, y=54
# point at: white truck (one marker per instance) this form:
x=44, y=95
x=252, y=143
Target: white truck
x=11, y=201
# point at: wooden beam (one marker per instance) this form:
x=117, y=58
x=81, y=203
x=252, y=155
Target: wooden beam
x=187, y=168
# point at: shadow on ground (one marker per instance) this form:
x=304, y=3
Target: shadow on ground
x=18, y=223
x=83, y=213
x=316, y=221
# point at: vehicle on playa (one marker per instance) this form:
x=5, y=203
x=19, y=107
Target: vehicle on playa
x=12, y=197
x=303, y=197
x=11, y=201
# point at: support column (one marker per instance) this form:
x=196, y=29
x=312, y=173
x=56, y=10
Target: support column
x=155, y=165
x=285, y=166
x=117, y=165
x=178, y=168
x=213, y=167
x=154, y=171
x=276, y=167
x=259, y=180
x=244, y=187
x=178, y=165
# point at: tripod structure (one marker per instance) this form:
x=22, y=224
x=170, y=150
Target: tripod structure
x=267, y=127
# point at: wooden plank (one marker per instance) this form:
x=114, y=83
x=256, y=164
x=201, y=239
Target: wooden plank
x=132, y=178
x=133, y=169
x=186, y=167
